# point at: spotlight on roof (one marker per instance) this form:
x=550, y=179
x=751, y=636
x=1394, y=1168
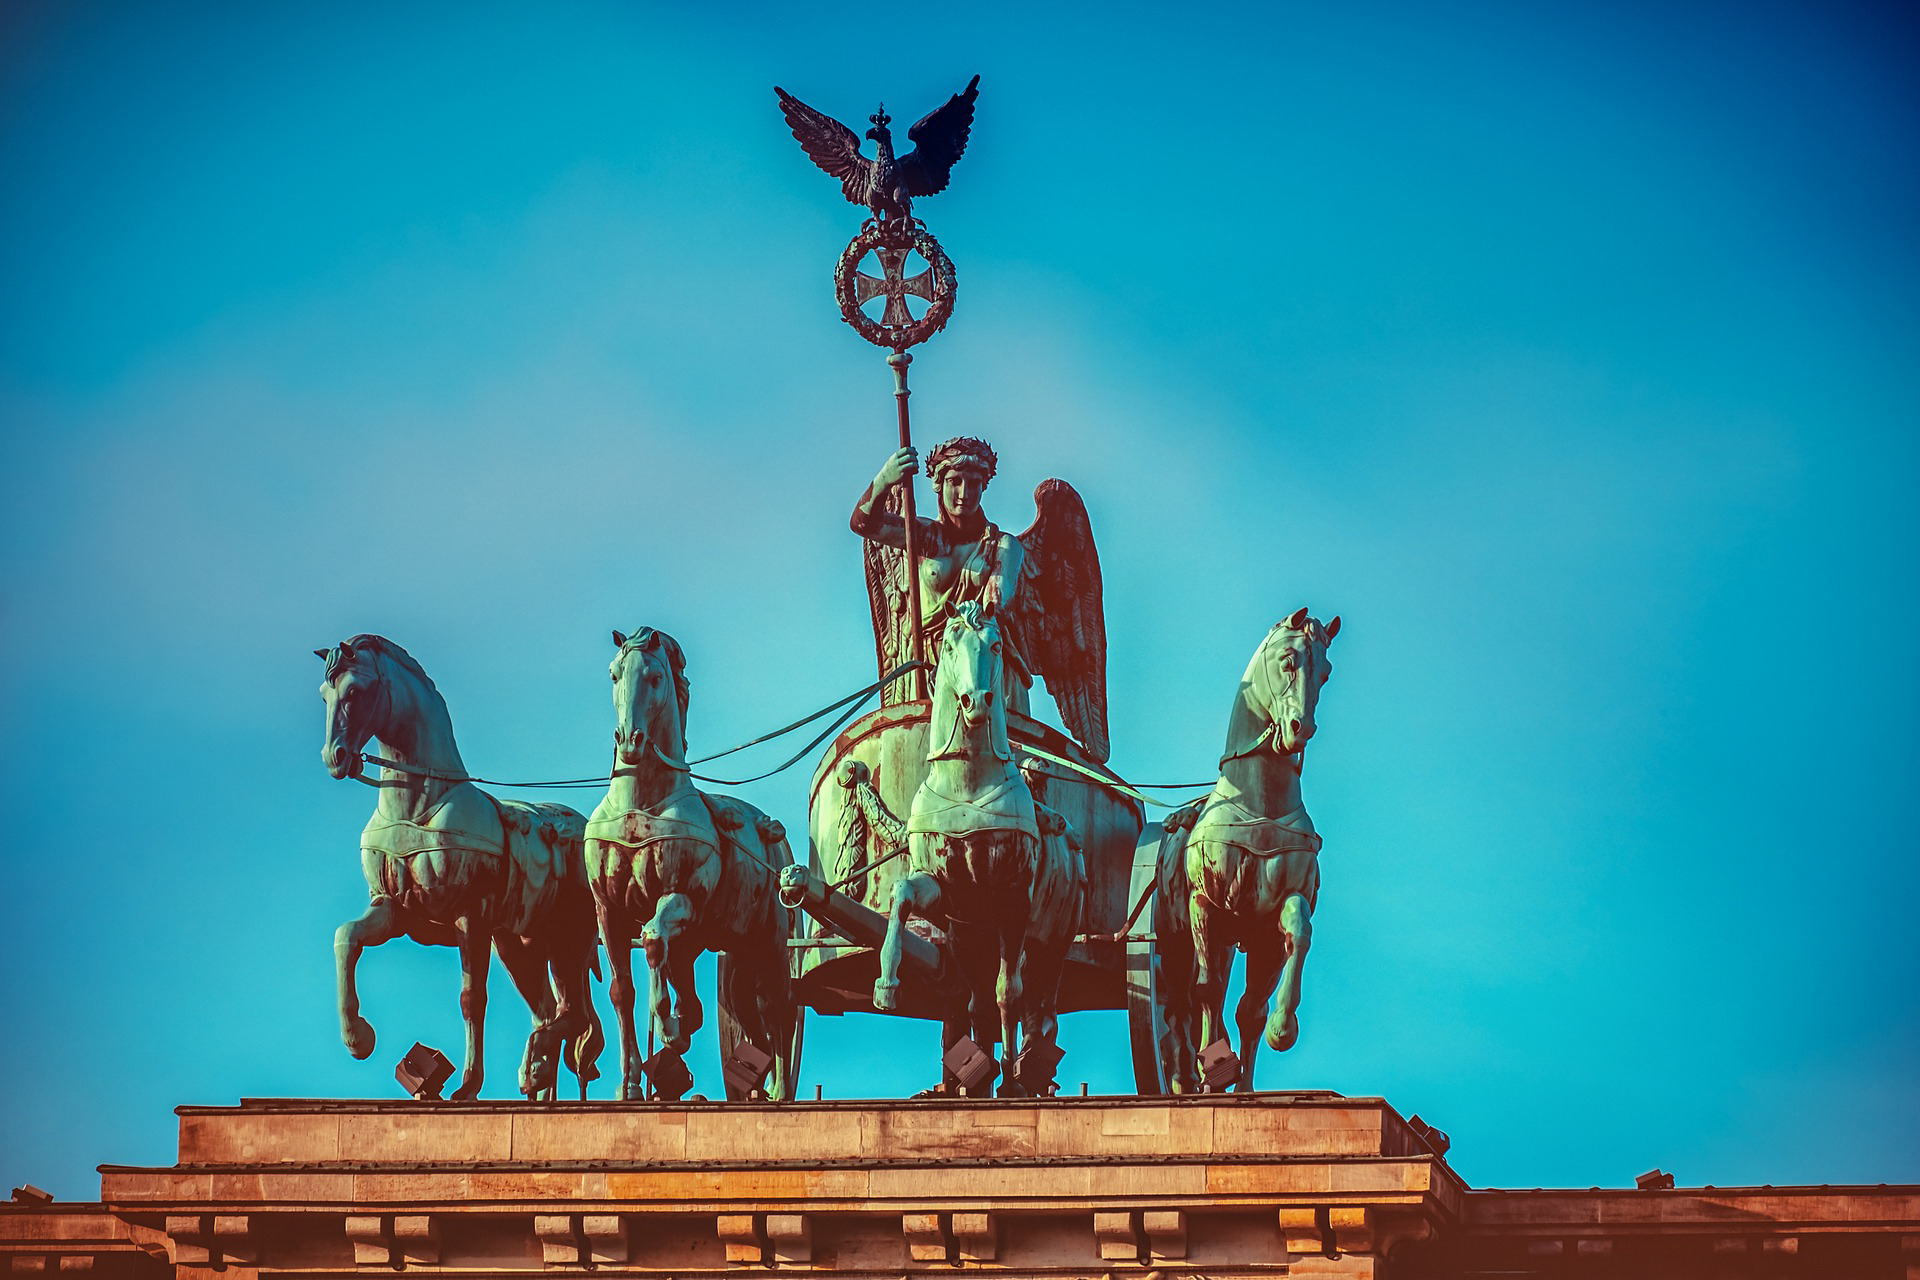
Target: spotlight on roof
x=1434, y=1139
x=423, y=1072
x=746, y=1070
x=1034, y=1065
x=667, y=1072
x=971, y=1065
x=1654, y=1180
x=1219, y=1067
x=30, y=1194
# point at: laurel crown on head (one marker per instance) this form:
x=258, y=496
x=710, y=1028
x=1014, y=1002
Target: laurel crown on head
x=961, y=451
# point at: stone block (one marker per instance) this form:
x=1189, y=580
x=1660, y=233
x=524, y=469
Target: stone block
x=790, y=1237
x=1117, y=1236
x=976, y=1237
x=234, y=1240
x=1166, y=1233
x=743, y=1237
x=416, y=1239
x=606, y=1238
x=1303, y=1231
x=926, y=1236
x=372, y=1241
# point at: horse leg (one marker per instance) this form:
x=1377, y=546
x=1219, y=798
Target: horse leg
x=378, y=925
x=1263, y=971
x=976, y=947
x=1008, y=996
x=1296, y=924
x=676, y=1009
x=527, y=964
x=476, y=957
x=620, y=990
x=1212, y=962
x=912, y=895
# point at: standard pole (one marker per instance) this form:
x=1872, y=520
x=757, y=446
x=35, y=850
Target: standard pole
x=898, y=362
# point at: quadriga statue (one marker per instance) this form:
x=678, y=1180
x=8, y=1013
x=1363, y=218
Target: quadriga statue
x=1240, y=867
x=681, y=872
x=450, y=865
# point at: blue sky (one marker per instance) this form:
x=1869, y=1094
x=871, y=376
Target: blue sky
x=1568, y=352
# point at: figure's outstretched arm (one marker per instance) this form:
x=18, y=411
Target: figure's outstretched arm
x=870, y=519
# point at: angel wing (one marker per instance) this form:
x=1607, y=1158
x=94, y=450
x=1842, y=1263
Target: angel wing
x=938, y=139
x=892, y=627
x=1058, y=614
x=832, y=145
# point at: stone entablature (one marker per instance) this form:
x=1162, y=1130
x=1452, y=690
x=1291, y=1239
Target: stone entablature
x=1217, y=1187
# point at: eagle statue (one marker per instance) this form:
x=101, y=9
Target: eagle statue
x=886, y=184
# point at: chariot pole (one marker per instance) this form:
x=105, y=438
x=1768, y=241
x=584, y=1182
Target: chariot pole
x=898, y=362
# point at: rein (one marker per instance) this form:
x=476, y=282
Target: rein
x=852, y=702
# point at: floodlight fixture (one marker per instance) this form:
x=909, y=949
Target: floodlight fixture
x=746, y=1070
x=667, y=1071
x=1033, y=1067
x=971, y=1065
x=424, y=1072
x=30, y=1194
x=1219, y=1067
x=1654, y=1180
x=1436, y=1140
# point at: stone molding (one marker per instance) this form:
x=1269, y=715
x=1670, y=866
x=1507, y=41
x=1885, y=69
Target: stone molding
x=1225, y=1188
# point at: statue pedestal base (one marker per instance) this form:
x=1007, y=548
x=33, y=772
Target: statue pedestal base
x=1233, y=1186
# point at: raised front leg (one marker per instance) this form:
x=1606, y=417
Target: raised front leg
x=476, y=958
x=676, y=1008
x=379, y=924
x=912, y=895
x=1296, y=924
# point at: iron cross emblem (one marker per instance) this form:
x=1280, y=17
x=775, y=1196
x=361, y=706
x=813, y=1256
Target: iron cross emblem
x=894, y=286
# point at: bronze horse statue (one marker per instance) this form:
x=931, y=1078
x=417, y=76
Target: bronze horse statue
x=682, y=872
x=449, y=865
x=1240, y=866
x=1001, y=873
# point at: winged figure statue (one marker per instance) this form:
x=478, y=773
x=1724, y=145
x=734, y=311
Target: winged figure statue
x=1044, y=583
x=886, y=184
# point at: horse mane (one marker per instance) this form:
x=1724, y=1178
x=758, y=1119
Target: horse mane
x=407, y=662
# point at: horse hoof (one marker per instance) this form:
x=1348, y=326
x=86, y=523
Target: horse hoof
x=633, y=1091
x=886, y=995
x=469, y=1090
x=1282, y=1033
x=357, y=1035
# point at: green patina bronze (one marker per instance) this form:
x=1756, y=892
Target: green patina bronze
x=450, y=865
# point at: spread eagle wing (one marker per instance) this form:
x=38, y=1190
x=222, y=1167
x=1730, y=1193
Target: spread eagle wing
x=1059, y=616
x=938, y=139
x=830, y=144
x=892, y=625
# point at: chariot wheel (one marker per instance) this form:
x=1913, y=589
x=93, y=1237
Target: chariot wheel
x=1146, y=1012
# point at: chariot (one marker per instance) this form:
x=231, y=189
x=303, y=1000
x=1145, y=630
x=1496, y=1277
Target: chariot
x=852, y=867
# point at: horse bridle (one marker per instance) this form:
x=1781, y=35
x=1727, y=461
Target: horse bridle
x=1271, y=732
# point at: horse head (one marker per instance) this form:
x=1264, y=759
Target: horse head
x=1284, y=679
x=967, y=701
x=649, y=697
x=358, y=702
